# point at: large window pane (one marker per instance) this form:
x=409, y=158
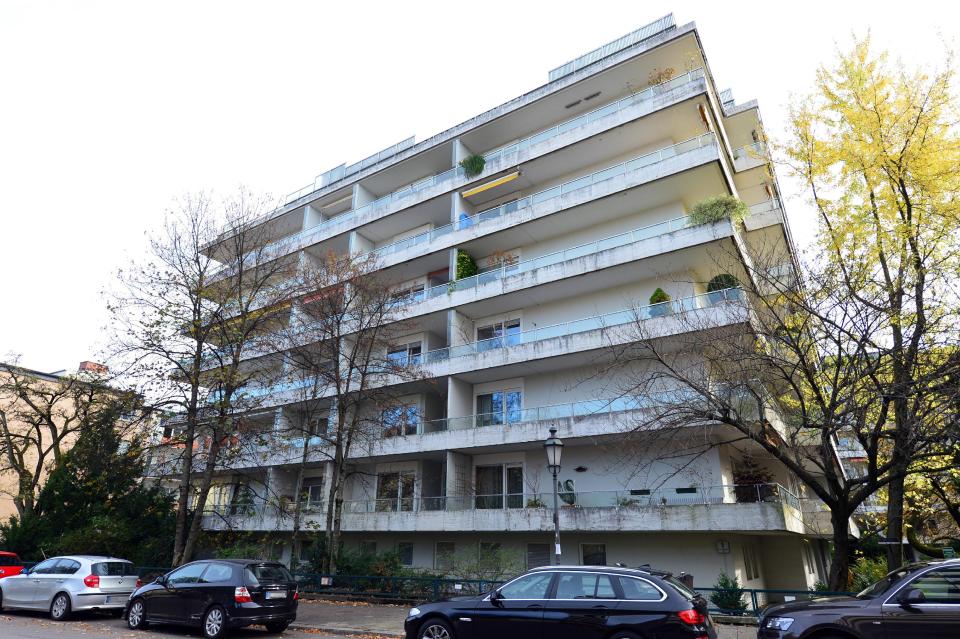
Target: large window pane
x=528, y=587
x=489, y=486
x=594, y=554
x=940, y=586
x=515, y=487
x=584, y=585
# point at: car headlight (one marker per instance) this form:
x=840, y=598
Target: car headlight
x=414, y=612
x=778, y=623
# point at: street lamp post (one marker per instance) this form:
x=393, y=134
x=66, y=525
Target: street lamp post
x=554, y=447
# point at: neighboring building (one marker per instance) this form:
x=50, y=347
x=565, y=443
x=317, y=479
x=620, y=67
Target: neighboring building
x=579, y=213
x=53, y=393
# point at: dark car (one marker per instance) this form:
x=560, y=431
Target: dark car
x=916, y=601
x=216, y=595
x=570, y=602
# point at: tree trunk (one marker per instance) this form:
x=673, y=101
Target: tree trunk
x=895, y=491
x=183, y=500
x=298, y=505
x=207, y=480
x=840, y=563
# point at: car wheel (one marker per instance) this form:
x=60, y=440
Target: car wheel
x=137, y=615
x=278, y=627
x=435, y=629
x=60, y=608
x=215, y=623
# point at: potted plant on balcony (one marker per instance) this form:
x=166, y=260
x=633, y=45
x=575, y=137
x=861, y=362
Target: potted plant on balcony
x=752, y=482
x=466, y=266
x=714, y=209
x=660, y=303
x=718, y=285
x=473, y=165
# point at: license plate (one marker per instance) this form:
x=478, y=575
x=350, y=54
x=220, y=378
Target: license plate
x=276, y=595
x=107, y=599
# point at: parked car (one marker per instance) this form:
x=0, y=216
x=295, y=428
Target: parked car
x=919, y=600
x=570, y=602
x=216, y=595
x=63, y=585
x=10, y=564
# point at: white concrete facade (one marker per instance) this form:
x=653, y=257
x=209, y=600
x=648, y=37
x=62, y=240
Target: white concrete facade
x=587, y=188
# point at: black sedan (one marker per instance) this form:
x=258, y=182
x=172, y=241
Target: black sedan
x=217, y=595
x=920, y=600
x=570, y=602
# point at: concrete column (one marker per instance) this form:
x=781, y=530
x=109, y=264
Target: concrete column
x=312, y=216
x=459, y=399
x=359, y=244
x=459, y=210
x=459, y=480
x=361, y=196
x=459, y=328
x=460, y=152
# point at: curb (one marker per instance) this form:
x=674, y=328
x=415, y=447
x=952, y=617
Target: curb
x=340, y=630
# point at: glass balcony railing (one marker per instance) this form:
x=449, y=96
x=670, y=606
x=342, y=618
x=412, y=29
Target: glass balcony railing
x=494, y=160
x=754, y=153
x=623, y=498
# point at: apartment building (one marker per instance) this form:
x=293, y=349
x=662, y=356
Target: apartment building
x=577, y=214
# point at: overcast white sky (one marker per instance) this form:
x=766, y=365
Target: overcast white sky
x=109, y=110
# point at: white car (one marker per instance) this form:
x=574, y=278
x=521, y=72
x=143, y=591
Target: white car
x=62, y=585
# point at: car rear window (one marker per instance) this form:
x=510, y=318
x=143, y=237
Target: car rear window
x=9, y=560
x=114, y=569
x=267, y=573
x=681, y=588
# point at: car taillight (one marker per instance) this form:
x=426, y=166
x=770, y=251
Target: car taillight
x=91, y=581
x=139, y=583
x=242, y=595
x=296, y=595
x=692, y=617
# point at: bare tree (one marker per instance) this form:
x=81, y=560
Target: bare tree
x=790, y=370
x=188, y=320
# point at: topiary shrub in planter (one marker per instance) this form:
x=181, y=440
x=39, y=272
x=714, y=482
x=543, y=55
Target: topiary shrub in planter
x=727, y=595
x=660, y=303
x=718, y=284
x=714, y=209
x=473, y=165
x=466, y=267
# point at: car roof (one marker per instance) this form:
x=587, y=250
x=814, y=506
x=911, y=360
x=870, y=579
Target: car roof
x=611, y=569
x=233, y=560
x=90, y=558
x=7, y=553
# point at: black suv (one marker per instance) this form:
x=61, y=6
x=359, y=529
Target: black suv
x=570, y=602
x=920, y=600
x=216, y=595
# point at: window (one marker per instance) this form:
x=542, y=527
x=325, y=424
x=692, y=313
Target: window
x=498, y=335
x=241, y=503
x=312, y=494
x=368, y=547
x=584, y=585
x=395, y=491
x=306, y=550
x=217, y=573
x=500, y=407
x=751, y=567
x=594, y=554
x=405, y=550
x=189, y=574
x=443, y=555
x=113, y=569
x=690, y=490
x=66, y=567
x=538, y=555
x=490, y=484
x=414, y=292
x=639, y=590
x=405, y=355
x=45, y=567
x=640, y=492
x=528, y=587
x=403, y=419
x=940, y=586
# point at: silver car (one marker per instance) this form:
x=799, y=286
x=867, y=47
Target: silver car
x=63, y=585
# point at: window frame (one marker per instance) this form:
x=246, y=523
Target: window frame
x=582, y=555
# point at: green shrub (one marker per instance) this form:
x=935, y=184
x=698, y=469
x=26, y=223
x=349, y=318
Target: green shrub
x=721, y=282
x=659, y=296
x=714, y=209
x=866, y=570
x=466, y=267
x=728, y=595
x=473, y=165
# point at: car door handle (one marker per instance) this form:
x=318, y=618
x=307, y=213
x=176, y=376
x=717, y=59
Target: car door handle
x=599, y=607
x=534, y=606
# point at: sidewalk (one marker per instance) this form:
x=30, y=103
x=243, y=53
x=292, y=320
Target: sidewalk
x=385, y=620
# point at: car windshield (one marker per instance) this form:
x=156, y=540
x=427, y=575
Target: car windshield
x=114, y=569
x=267, y=573
x=879, y=587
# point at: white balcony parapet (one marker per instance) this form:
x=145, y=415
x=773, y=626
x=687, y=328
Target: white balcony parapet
x=496, y=159
x=750, y=156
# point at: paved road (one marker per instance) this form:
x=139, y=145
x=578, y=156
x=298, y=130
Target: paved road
x=25, y=625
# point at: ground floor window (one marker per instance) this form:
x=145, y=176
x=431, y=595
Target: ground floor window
x=405, y=550
x=750, y=564
x=489, y=555
x=594, y=554
x=538, y=555
x=368, y=547
x=443, y=555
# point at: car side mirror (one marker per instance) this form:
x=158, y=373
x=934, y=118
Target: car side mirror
x=24, y=571
x=496, y=598
x=911, y=597
x=161, y=581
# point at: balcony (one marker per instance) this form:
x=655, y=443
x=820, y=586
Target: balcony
x=750, y=156
x=753, y=508
x=543, y=142
x=764, y=214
